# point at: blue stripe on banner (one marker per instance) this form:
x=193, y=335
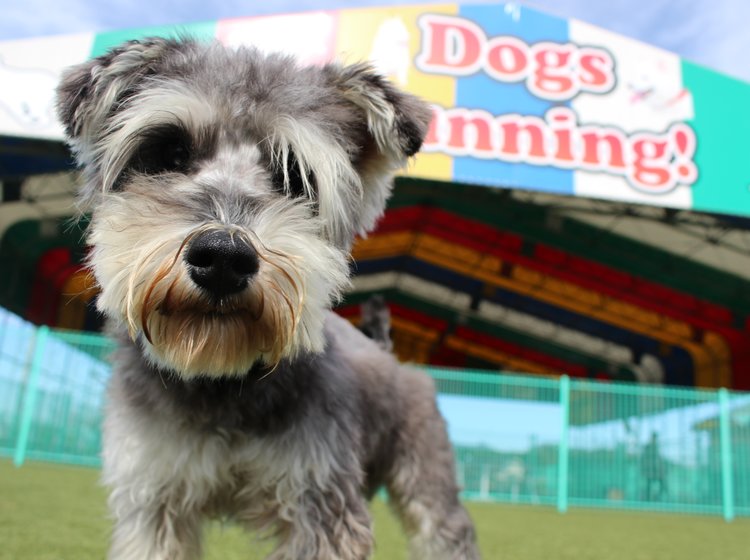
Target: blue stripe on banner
x=479, y=91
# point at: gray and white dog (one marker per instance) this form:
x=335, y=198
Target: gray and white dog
x=226, y=188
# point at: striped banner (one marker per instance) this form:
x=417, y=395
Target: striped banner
x=521, y=99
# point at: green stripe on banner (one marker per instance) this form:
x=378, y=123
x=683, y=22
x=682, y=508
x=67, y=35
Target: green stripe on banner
x=103, y=42
x=722, y=125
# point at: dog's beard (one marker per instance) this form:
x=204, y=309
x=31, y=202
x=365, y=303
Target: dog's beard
x=182, y=329
x=198, y=335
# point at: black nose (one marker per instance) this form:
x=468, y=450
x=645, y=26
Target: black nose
x=220, y=263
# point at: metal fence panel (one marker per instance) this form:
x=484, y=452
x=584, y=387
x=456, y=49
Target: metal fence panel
x=16, y=346
x=518, y=438
x=646, y=451
x=51, y=394
x=505, y=430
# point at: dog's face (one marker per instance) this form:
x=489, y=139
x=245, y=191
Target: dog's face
x=226, y=188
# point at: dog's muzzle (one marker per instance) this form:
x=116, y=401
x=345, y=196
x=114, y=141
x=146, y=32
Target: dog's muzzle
x=220, y=263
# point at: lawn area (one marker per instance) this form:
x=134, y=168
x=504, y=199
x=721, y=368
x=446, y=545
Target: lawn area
x=50, y=512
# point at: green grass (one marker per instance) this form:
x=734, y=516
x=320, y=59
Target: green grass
x=50, y=512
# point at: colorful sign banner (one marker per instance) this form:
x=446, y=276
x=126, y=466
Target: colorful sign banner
x=521, y=99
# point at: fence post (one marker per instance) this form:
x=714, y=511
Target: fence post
x=562, y=453
x=29, y=395
x=484, y=483
x=725, y=439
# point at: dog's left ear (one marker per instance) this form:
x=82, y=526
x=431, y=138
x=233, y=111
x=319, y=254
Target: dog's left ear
x=393, y=125
x=397, y=121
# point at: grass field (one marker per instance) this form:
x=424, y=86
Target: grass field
x=57, y=513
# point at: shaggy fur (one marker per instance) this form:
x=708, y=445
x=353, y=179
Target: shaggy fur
x=226, y=188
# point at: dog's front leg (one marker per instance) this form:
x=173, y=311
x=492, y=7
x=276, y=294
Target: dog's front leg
x=331, y=524
x=154, y=532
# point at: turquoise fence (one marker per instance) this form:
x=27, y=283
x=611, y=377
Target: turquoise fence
x=518, y=438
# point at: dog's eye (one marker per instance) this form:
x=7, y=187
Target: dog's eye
x=296, y=185
x=174, y=157
x=165, y=151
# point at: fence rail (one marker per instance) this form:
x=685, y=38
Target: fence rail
x=518, y=438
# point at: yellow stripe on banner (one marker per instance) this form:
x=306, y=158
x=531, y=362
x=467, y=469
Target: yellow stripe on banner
x=502, y=359
x=415, y=329
x=383, y=246
x=395, y=244
x=413, y=342
x=391, y=39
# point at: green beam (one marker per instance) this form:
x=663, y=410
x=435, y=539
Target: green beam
x=725, y=438
x=29, y=396
x=562, y=455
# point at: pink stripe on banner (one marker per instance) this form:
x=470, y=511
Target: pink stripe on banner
x=310, y=37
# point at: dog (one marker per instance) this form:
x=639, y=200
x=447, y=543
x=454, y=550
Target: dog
x=225, y=189
x=376, y=321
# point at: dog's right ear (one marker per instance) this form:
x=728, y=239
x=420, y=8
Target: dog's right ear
x=89, y=92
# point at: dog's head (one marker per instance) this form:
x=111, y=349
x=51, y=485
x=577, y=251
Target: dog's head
x=226, y=188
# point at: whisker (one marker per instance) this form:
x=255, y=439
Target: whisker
x=161, y=378
x=292, y=311
x=163, y=272
x=256, y=316
x=134, y=283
